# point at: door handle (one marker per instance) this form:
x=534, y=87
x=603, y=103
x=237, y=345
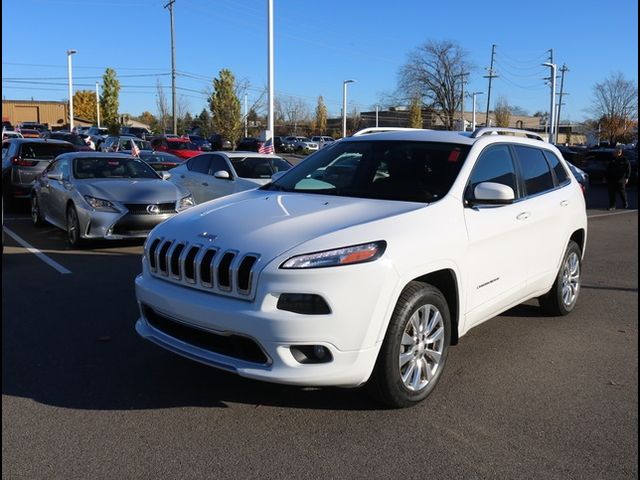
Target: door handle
x=564, y=203
x=523, y=216
x=205, y=184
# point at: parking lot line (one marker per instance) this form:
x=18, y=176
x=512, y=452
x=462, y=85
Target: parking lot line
x=612, y=213
x=36, y=252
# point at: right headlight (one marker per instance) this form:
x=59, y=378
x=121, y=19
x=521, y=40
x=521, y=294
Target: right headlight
x=366, y=252
x=100, y=204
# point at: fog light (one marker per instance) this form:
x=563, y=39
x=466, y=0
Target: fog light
x=311, y=354
x=303, y=303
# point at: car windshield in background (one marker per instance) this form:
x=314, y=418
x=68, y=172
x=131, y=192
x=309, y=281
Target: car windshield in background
x=44, y=151
x=385, y=170
x=73, y=139
x=125, y=144
x=182, y=146
x=100, y=167
x=259, y=167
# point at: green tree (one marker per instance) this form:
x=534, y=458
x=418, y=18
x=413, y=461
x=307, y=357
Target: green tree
x=203, y=123
x=225, y=107
x=320, y=120
x=109, y=100
x=415, y=113
x=84, y=105
x=147, y=118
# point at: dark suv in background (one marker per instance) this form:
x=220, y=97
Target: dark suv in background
x=249, y=144
x=139, y=132
x=219, y=143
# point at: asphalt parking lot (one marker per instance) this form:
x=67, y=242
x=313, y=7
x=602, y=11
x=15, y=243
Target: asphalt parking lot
x=523, y=396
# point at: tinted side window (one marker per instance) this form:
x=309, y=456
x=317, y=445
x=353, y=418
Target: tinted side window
x=218, y=163
x=199, y=164
x=535, y=170
x=556, y=166
x=494, y=165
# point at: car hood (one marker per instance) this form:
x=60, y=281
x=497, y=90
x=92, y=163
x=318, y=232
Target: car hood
x=133, y=190
x=271, y=223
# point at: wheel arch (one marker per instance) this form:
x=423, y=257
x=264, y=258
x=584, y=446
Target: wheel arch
x=580, y=237
x=446, y=281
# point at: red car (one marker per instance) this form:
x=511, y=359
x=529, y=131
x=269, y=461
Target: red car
x=179, y=147
x=28, y=133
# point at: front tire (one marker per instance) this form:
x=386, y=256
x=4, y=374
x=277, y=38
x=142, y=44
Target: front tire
x=563, y=296
x=73, y=228
x=415, y=347
x=36, y=214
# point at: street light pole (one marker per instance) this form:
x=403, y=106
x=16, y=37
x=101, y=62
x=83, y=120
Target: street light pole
x=473, y=115
x=270, y=113
x=344, y=106
x=173, y=71
x=552, y=107
x=69, y=53
x=97, y=105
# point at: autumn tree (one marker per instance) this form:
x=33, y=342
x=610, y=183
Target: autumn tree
x=615, y=105
x=225, y=107
x=320, y=120
x=502, y=112
x=109, y=100
x=433, y=73
x=84, y=105
x=415, y=113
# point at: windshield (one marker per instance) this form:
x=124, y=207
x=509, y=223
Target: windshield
x=385, y=170
x=111, y=167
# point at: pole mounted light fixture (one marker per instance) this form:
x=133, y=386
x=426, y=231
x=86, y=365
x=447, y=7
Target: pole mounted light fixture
x=344, y=106
x=552, y=66
x=69, y=53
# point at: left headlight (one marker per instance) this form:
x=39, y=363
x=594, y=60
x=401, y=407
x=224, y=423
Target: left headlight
x=185, y=203
x=366, y=252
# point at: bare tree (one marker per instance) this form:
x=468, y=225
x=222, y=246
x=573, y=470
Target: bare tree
x=163, y=107
x=502, y=111
x=294, y=111
x=615, y=104
x=433, y=73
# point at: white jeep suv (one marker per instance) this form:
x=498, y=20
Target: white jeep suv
x=366, y=270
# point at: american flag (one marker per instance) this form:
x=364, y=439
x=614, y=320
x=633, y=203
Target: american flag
x=267, y=147
x=135, y=151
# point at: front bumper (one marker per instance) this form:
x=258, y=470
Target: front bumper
x=351, y=332
x=117, y=225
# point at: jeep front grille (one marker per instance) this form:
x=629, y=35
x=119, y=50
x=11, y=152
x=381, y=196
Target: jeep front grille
x=209, y=268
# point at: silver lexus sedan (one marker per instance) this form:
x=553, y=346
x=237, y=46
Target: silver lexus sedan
x=104, y=195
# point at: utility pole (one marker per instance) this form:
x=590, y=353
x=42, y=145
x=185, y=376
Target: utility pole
x=490, y=77
x=245, y=115
x=552, y=66
x=173, y=70
x=97, y=105
x=562, y=70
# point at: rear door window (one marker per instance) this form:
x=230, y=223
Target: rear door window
x=535, y=170
x=253, y=167
x=562, y=176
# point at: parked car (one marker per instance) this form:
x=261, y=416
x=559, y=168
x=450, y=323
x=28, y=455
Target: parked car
x=249, y=144
x=213, y=175
x=581, y=176
x=6, y=125
x=301, y=144
x=30, y=133
x=139, y=132
x=160, y=161
x=323, y=141
x=74, y=139
x=23, y=159
x=219, y=143
x=177, y=146
x=595, y=164
x=40, y=127
x=200, y=142
x=370, y=279
x=97, y=134
x=104, y=195
x=281, y=146
x=122, y=144
x=6, y=134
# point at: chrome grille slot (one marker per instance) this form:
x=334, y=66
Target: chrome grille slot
x=174, y=264
x=152, y=254
x=206, y=268
x=162, y=257
x=224, y=272
x=190, y=264
x=245, y=273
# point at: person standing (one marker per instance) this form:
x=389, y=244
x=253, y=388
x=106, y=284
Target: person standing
x=618, y=173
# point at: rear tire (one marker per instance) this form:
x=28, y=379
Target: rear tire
x=415, y=347
x=563, y=296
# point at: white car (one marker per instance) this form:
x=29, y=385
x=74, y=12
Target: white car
x=301, y=144
x=323, y=141
x=212, y=175
x=367, y=275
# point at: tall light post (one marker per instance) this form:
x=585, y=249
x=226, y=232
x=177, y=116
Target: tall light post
x=344, y=106
x=473, y=115
x=270, y=85
x=69, y=53
x=97, y=105
x=552, y=107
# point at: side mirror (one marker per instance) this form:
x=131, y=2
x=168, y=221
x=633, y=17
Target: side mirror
x=55, y=176
x=222, y=175
x=165, y=175
x=277, y=175
x=491, y=193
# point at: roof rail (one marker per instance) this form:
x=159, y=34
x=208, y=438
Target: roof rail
x=479, y=132
x=366, y=131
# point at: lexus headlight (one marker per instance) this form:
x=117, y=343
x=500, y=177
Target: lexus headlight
x=185, y=203
x=101, y=204
x=366, y=252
